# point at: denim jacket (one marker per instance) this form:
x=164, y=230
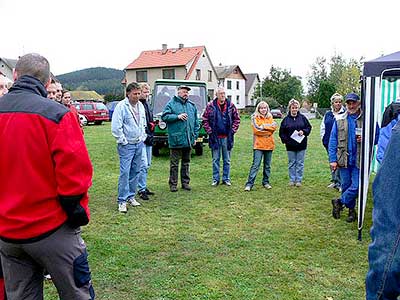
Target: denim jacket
x=124, y=127
x=384, y=251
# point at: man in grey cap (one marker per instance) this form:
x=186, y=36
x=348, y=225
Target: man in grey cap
x=344, y=153
x=180, y=114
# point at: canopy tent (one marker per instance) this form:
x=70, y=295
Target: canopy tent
x=380, y=86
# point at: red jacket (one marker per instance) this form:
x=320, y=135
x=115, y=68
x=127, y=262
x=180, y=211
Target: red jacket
x=45, y=170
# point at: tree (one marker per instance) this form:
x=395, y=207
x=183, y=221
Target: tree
x=325, y=91
x=282, y=86
x=318, y=73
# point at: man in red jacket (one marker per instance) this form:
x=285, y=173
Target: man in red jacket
x=45, y=174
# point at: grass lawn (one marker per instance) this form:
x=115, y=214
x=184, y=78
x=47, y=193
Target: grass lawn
x=222, y=243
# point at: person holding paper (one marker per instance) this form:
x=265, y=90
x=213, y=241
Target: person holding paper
x=293, y=132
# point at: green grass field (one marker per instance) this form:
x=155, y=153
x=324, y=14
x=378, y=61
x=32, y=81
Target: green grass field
x=222, y=243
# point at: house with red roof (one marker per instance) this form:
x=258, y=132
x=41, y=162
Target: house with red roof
x=181, y=63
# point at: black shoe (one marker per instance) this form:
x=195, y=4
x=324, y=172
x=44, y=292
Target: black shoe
x=143, y=195
x=337, y=206
x=352, y=215
x=173, y=188
x=186, y=187
x=148, y=192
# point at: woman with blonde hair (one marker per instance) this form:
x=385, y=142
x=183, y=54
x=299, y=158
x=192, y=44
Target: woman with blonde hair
x=263, y=144
x=293, y=132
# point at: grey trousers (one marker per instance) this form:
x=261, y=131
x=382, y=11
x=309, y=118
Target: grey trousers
x=175, y=156
x=63, y=254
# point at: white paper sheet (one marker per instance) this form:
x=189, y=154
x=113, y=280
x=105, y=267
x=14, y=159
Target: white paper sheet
x=298, y=138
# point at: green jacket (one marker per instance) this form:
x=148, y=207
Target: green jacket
x=181, y=134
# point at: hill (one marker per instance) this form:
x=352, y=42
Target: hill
x=104, y=81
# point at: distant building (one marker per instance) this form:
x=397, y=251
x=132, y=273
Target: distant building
x=6, y=67
x=182, y=63
x=233, y=80
x=252, y=81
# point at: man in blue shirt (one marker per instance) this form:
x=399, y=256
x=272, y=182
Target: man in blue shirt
x=344, y=153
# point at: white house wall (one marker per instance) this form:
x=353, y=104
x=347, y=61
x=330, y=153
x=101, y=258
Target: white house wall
x=204, y=65
x=233, y=92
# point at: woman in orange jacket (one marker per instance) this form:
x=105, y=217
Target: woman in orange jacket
x=263, y=144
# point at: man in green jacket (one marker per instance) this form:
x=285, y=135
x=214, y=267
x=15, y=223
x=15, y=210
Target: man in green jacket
x=180, y=114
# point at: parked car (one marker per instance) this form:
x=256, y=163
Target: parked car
x=276, y=113
x=95, y=112
x=111, y=106
x=164, y=90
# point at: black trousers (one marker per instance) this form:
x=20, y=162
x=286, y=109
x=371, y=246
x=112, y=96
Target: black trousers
x=175, y=155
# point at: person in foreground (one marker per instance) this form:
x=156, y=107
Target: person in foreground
x=294, y=130
x=344, y=153
x=221, y=121
x=264, y=127
x=43, y=147
x=180, y=114
x=382, y=282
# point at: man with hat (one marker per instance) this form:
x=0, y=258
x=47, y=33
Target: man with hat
x=344, y=153
x=180, y=114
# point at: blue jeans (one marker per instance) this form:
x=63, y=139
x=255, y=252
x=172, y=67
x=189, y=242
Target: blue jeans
x=130, y=158
x=146, y=163
x=257, y=157
x=226, y=158
x=349, y=181
x=382, y=280
x=296, y=165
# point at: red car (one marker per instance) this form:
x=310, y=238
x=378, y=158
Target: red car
x=276, y=113
x=95, y=112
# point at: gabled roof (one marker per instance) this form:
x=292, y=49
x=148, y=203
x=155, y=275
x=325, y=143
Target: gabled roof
x=225, y=71
x=250, y=78
x=171, y=58
x=376, y=66
x=9, y=62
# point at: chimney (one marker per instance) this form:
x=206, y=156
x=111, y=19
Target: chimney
x=181, y=46
x=164, y=48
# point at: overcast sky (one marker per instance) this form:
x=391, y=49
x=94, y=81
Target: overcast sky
x=253, y=34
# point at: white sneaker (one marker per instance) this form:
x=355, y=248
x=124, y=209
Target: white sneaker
x=247, y=188
x=268, y=186
x=122, y=207
x=331, y=185
x=133, y=202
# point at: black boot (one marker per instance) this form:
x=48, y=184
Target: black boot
x=337, y=207
x=352, y=215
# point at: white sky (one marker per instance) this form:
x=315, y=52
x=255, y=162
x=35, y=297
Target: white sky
x=253, y=34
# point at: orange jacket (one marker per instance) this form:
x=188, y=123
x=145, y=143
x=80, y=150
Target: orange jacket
x=263, y=129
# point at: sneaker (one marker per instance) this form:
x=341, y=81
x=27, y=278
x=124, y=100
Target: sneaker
x=132, y=201
x=228, y=183
x=337, y=207
x=122, y=207
x=352, y=215
x=267, y=186
x=186, y=187
x=214, y=183
x=291, y=183
x=247, y=188
x=173, y=188
x=298, y=184
x=143, y=195
x=47, y=277
x=148, y=192
x=332, y=185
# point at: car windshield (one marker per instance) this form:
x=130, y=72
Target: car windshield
x=101, y=106
x=163, y=93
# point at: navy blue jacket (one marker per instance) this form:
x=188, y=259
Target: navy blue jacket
x=288, y=126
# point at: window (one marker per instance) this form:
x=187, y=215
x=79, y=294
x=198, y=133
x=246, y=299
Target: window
x=237, y=99
x=86, y=107
x=198, y=74
x=168, y=74
x=209, y=76
x=229, y=85
x=100, y=106
x=141, y=76
x=229, y=97
x=210, y=94
x=237, y=85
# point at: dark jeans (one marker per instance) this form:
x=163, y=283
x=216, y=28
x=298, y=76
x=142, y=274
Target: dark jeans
x=175, y=155
x=258, y=155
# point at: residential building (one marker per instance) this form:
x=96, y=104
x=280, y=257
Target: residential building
x=234, y=81
x=182, y=63
x=252, y=81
